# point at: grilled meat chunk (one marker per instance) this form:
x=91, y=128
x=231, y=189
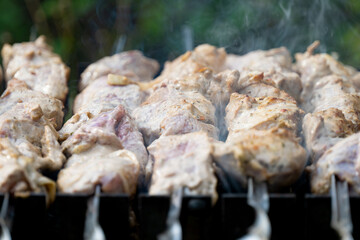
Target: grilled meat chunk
x=314, y=67
x=333, y=92
x=274, y=63
x=324, y=129
x=255, y=85
x=215, y=87
x=273, y=155
x=106, y=99
x=203, y=56
x=244, y=113
x=262, y=141
x=33, y=135
x=36, y=65
x=17, y=173
x=100, y=96
x=130, y=64
x=17, y=92
x=103, y=137
x=341, y=160
x=50, y=79
x=331, y=98
x=183, y=161
x=116, y=172
x=170, y=112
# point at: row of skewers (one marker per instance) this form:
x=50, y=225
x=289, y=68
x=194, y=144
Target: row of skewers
x=247, y=114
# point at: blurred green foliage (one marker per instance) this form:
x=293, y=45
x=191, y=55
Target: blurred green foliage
x=86, y=30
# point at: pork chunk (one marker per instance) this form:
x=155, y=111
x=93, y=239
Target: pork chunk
x=273, y=156
x=333, y=92
x=98, y=142
x=18, y=92
x=17, y=173
x=169, y=112
x=203, y=56
x=340, y=160
x=274, y=63
x=36, y=65
x=116, y=172
x=324, y=129
x=33, y=135
x=244, y=113
x=100, y=93
x=313, y=67
x=131, y=64
x=183, y=161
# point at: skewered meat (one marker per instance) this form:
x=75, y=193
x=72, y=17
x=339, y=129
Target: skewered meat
x=203, y=56
x=314, y=67
x=17, y=174
x=273, y=155
x=183, y=161
x=255, y=85
x=274, y=63
x=33, y=135
x=116, y=172
x=50, y=79
x=244, y=112
x=341, y=160
x=99, y=94
x=325, y=128
x=330, y=94
x=333, y=92
x=100, y=97
x=29, y=116
x=131, y=96
x=169, y=112
x=215, y=87
x=103, y=137
x=36, y=65
x=21, y=54
x=262, y=141
x=113, y=128
x=131, y=64
x=18, y=92
x=331, y=97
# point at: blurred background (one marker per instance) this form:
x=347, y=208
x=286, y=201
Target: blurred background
x=86, y=30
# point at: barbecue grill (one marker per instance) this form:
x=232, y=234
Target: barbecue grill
x=229, y=219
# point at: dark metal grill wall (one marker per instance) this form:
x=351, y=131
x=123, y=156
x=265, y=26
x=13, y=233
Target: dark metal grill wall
x=291, y=216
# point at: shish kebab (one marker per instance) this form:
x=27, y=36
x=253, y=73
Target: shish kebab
x=102, y=135
x=264, y=126
x=106, y=151
x=30, y=114
x=331, y=96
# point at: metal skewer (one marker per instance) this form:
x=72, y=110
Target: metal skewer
x=173, y=230
x=5, y=232
x=340, y=209
x=93, y=230
x=258, y=198
x=188, y=37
